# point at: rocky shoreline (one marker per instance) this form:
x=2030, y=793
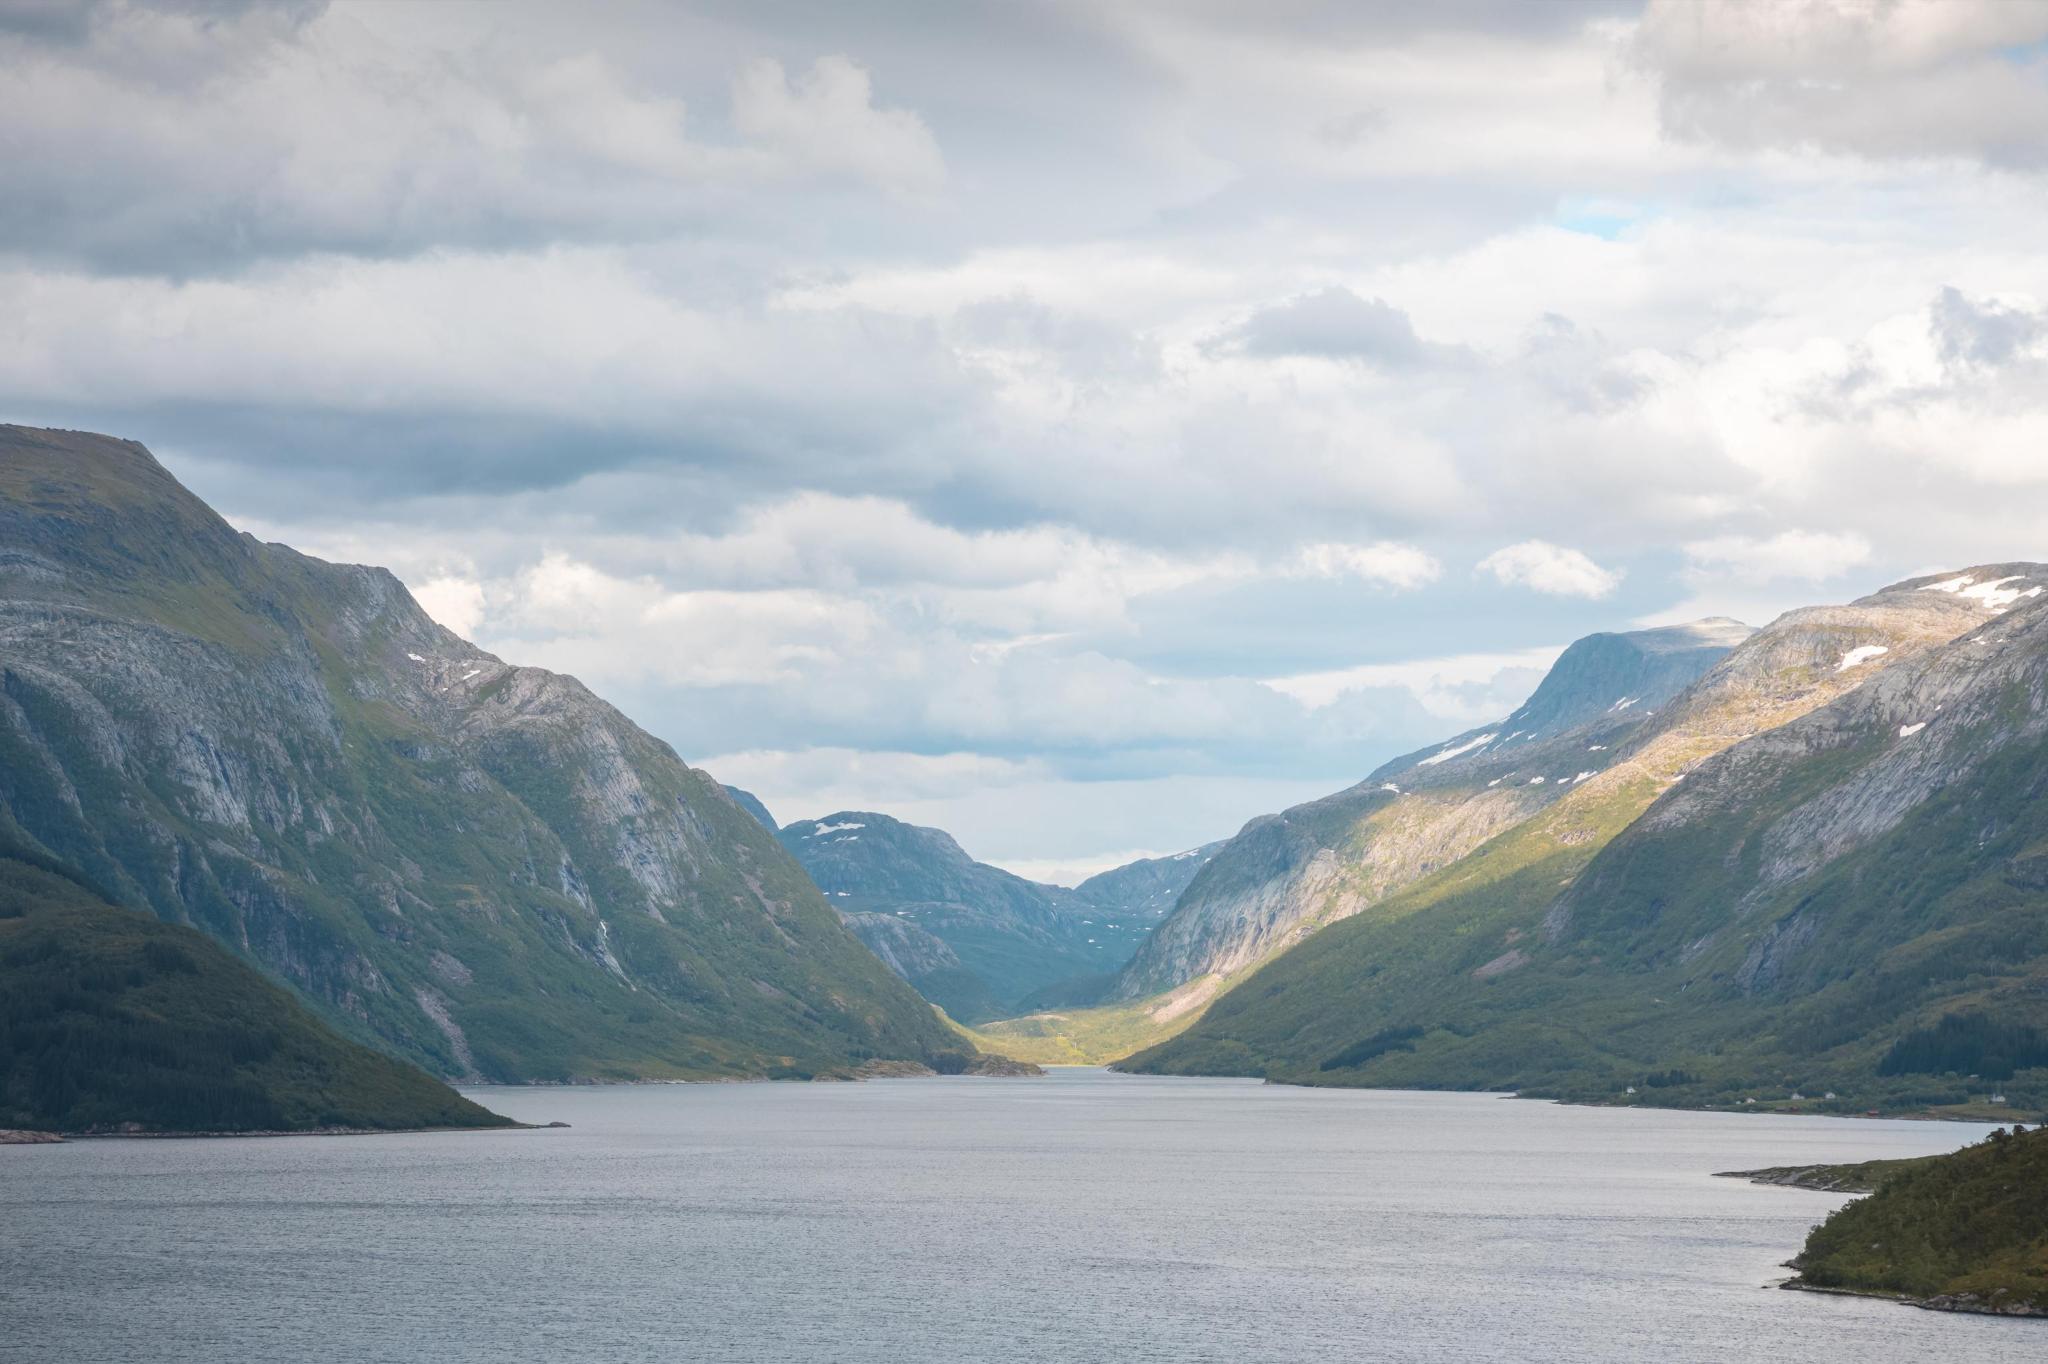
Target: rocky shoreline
x=1941, y=1302
x=1858, y=1178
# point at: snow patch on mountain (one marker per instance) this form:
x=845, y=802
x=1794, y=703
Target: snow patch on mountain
x=1992, y=596
x=1445, y=755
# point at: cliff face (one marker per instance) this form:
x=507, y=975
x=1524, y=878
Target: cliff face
x=1288, y=875
x=1150, y=887
x=1932, y=767
x=482, y=867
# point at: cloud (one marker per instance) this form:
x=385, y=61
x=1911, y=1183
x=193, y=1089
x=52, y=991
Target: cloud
x=1798, y=555
x=1984, y=332
x=1457, y=690
x=814, y=776
x=1544, y=567
x=200, y=138
x=457, y=603
x=574, y=617
x=1384, y=562
x=1330, y=324
x=1100, y=391
x=1875, y=78
x=827, y=121
x=1005, y=812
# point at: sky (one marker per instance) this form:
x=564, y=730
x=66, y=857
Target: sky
x=1081, y=427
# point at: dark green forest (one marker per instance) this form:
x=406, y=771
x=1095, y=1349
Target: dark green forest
x=112, y=1020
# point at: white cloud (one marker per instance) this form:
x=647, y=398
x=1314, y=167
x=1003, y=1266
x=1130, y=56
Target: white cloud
x=1331, y=324
x=573, y=617
x=1869, y=77
x=821, y=780
x=1544, y=567
x=1384, y=562
x=457, y=603
x=163, y=136
x=827, y=120
x=1460, y=689
x=1807, y=556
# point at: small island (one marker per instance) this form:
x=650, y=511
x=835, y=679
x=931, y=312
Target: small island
x=1965, y=1232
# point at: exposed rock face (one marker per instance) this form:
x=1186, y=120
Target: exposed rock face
x=1149, y=887
x=911, y=952
x=1287, y=875
x=481, y=867
x=1779, y=810
x=976, y=940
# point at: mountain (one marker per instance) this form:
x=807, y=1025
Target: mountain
x=112, y=1020
x=1149, y=887
x=1287, y=875
x=478, y=867
x=1820, y=871
x=751, y=803
x=974, y=939
x=1965, y=1232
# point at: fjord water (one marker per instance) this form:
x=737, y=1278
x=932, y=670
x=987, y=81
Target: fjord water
x=1080, y=1217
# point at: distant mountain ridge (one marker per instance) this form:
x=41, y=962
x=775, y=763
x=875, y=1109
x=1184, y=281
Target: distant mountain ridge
x=751, y=803
x=1150, y=886
x=480, y=867
x=979, y=941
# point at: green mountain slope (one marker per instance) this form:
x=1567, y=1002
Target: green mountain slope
x=482, y=868
x=1966, y=1231
x=1762, y=897
x=110, y=1019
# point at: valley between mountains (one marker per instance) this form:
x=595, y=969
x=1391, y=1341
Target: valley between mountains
x=1801, y=865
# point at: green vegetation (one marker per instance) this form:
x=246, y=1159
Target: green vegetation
x=1569, y=959
x=1967, y=1231
x=1858, y=1177
x=111, y=1020
x=1077, y=1037
x=1967, y=1044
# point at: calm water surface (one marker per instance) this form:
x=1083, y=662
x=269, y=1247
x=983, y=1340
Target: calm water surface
x=1082, y=1217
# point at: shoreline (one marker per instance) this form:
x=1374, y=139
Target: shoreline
x=64, y=1138
x=999, y=1068
x=1941, y=1302
x=1752, y=1110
